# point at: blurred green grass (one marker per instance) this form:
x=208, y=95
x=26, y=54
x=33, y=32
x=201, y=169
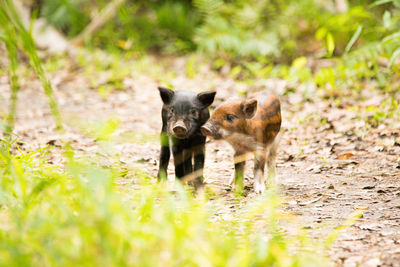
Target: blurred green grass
x=80, y=216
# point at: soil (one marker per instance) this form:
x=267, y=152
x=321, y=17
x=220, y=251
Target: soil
x=330, y=163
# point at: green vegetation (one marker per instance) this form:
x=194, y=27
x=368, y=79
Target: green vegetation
x=79, y=216
x=15, y=35
x=281, y=30
x=359, y=42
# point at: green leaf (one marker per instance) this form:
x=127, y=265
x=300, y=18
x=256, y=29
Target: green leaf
x=387, y=19
x=353, y=39
x=321, y=33
x=395, y=54
x=380, y=2
x=391, y=37
x=299, y=63
x=208, y=6
x=330, y=44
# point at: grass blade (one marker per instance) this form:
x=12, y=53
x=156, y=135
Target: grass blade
x=11, y=45
x=353, y=39
x=28, y=44
x=395, y=55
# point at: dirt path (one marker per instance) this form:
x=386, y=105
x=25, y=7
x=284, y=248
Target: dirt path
x=329, y=164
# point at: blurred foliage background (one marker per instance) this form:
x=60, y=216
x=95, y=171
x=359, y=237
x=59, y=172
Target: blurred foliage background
x=279, y=31
x=330, y=43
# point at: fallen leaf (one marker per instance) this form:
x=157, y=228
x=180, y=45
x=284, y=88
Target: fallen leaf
x=346, y=155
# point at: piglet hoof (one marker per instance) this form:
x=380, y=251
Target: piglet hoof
x=259, y=188
x=198, y=184
x=231, y=181
x=231, y=186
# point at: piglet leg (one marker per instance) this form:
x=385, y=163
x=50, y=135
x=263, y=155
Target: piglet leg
x=239, y=173
x=259, y=165
x=179, y=160
x=199, y=158
x=271, y=158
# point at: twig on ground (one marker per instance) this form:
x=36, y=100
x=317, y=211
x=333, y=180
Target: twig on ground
x=311, y=201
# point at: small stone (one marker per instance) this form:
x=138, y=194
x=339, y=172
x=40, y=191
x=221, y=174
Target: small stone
x=374, y=262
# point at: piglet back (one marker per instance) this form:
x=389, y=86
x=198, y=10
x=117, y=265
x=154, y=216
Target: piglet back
x=268, y=117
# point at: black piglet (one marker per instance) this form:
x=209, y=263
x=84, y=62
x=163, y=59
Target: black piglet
x=183, y=113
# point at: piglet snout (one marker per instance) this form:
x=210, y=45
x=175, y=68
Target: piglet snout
x=206, y=129
x=179, y=128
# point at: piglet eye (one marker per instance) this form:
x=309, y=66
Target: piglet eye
x=229, y=117
x=194, y=113
x=171, y=112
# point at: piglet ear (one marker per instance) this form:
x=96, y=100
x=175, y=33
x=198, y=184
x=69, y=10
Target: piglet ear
x=166, y=94
x=249, y=107
x=206, y=98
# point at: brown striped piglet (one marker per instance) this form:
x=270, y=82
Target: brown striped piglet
x=249, y=126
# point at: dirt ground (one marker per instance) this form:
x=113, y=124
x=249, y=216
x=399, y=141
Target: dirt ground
x=330, y=162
